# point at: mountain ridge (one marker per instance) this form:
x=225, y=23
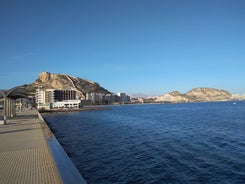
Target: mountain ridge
x=201, y=94
x=82, y=86
x=64, y=81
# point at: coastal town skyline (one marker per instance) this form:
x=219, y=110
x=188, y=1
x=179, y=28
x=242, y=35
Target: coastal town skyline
x=148, y=47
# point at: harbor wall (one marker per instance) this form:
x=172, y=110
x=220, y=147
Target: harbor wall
x=68, y=172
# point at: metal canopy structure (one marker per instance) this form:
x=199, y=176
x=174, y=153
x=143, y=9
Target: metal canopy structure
x=13, y=93
x=9, y=97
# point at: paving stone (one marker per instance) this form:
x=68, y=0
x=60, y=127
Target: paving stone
x=24, y=153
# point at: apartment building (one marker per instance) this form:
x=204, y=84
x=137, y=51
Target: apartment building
x=62, y=95
x=40, y=95
x=98, y=98
x=123, y=97
x=52, y=99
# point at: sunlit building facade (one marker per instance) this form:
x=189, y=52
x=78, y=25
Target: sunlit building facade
x=52, y=99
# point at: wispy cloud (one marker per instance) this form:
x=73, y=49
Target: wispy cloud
x=24, y=55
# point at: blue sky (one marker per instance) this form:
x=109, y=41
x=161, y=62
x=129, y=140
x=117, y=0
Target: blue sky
x=133, y=46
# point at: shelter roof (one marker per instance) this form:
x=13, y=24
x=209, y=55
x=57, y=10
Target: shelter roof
x=13, y=93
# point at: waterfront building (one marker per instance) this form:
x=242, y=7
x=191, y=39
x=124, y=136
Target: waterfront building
x=111, y=98
x=98, y=98
x=40, y=95
x=41, y=99
x=49, y=95
x=62, y=95
x=71, y=104
x=123, y=97
x=95, y=98
x=52, y=98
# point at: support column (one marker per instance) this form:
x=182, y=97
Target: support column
x=8, y=108
x=5, y=111
x=13, y=108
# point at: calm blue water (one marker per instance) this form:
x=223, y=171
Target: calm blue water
x=167, y=143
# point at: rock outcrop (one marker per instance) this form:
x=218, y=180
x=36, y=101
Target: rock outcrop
x=173, y=97
x=196, y=95
x=209, y=94
x=238, y=97
x=64, y=81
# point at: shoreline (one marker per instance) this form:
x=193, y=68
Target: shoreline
x=74, y=110
x=109, y=107
x=62, y=160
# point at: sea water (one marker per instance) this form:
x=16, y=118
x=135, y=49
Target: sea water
x=159, y=143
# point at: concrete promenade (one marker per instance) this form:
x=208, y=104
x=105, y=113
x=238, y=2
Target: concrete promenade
x=25, y=156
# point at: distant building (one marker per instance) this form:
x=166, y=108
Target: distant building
x=111, y=98
x=52, y=98
x=95, y=98
x=98, y=98
x=123, y=97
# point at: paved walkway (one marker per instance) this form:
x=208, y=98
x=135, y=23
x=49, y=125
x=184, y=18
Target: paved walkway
x=24, y=153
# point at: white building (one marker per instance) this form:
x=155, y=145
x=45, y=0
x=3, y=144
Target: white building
x=40, y=95
x=51, y=98
x=41, y=99
x=95, y=97
x=71, y=104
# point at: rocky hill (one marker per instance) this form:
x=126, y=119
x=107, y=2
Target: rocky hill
x=173, y=97
x=196, y=95
x=64, y=81
x=209, y=94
